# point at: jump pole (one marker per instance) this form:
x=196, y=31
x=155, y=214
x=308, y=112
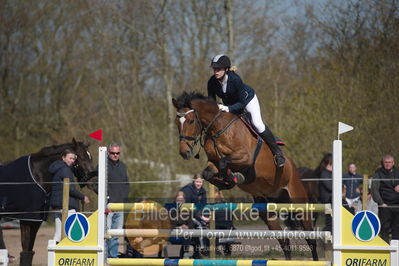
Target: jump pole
x=355, y=253
x=222, y=234
x=102, y=194
x=234, y=207
x=337, y=198
x=214, y=262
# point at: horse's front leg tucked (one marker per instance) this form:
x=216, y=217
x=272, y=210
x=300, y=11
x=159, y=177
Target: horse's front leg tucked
x=227, y=174
x=212, y=175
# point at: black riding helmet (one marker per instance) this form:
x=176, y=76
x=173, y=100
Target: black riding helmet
x=221, y=60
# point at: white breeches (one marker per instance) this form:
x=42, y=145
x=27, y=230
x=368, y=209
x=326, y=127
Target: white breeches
x=256, y=117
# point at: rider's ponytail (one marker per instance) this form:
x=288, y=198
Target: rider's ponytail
x=233, y=68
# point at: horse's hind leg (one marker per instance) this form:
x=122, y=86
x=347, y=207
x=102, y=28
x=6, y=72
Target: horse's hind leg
x=273, y=223
x=2, y=244
x=308, y=226
x=298, y=194
x=28, y=235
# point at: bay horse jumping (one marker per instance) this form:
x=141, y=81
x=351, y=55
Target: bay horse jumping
x=29, y=200
x=231, y=150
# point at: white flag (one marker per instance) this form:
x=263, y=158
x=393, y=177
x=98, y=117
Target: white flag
x=343, y=128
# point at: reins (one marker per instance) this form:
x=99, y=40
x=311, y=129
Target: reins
x=205, y=130
x=198, y=137
x=218, y=133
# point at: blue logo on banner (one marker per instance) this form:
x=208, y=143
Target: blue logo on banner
x=76, y=227
x=366, y=225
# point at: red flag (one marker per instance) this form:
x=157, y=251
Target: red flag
x=98, y=135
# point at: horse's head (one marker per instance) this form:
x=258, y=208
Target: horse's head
x=84, y=162
x=189, y=127
x=189, y=120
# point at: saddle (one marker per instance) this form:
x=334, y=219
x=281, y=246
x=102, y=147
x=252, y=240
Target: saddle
x=227, y=179
x=246, y=118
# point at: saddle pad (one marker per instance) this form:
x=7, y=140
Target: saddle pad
x=26, y=197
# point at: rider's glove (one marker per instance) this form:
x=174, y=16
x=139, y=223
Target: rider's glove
x=223, y=108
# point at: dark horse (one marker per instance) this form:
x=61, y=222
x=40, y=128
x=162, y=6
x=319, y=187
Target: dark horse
x=230, y=146
x=28, y=201
x=310, y=177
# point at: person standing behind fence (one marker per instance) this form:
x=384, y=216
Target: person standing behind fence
x=118, y=192
x=194, y=192
x=183, y=220
x=325, y=186
x=385, y=192
x=353, y=181
x=61, y=169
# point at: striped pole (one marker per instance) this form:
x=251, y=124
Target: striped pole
x=216, y=233
x=186, y=262
x=242, y=207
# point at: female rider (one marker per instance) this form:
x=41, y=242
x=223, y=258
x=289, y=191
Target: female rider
x=236, y=96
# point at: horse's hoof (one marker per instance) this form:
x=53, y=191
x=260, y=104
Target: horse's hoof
x=238, y=178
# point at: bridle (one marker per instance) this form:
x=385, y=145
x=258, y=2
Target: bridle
x=196, y=138
x=80, y=172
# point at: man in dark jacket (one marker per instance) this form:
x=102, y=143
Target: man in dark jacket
x=118, y=192
x=61, y=169
x=385, y=192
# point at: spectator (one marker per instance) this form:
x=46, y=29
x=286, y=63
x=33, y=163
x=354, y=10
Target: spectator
x=371, y=204
x=325, y=186
x=345, y=203
x=385, y=192
x=194, y=192
x=353, y=181
x=184, y=221
x=61, y=169
x=118, y=192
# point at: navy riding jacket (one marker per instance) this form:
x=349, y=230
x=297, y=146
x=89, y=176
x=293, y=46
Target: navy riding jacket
x=194, y=195
x=352, y=182
x=237, y=95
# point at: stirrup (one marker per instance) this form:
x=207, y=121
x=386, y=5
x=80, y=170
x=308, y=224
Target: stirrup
x=281, y=164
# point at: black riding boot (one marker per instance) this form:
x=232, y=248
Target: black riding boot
x=268, y=137
x=26, y=258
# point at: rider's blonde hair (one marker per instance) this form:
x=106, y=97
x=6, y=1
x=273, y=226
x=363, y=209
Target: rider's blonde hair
x=233, y=68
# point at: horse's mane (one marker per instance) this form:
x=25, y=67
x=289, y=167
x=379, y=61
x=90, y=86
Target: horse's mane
x=184, y=100
x=55, y=149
